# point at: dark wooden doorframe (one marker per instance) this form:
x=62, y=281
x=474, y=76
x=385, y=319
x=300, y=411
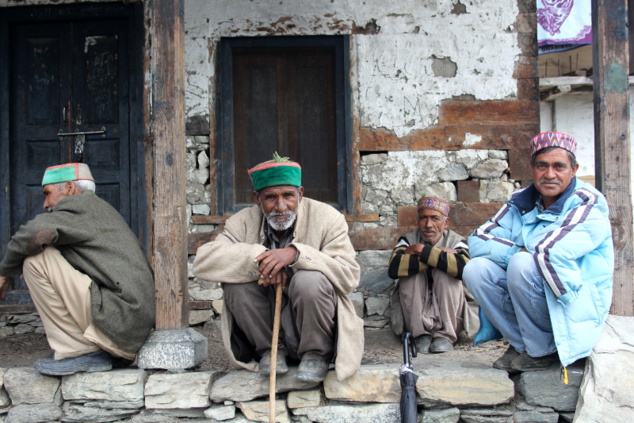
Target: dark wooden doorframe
x=132, y=15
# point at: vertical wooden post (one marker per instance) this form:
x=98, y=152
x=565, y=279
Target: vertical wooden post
x=168, y=128
x=612, y=138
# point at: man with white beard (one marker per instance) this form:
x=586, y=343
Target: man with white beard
x=302, y=244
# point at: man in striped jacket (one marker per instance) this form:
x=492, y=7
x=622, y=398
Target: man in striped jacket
x=542, y=266
x=429, y=298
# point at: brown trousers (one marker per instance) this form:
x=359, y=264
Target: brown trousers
x=61, y=295
x=308, y=316
x=436, y=311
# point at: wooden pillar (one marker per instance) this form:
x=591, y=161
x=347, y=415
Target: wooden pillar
x=168, y=129
x=612, y=138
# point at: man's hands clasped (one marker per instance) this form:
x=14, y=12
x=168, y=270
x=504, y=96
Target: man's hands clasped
x=271, y=264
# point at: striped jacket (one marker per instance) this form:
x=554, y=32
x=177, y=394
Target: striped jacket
x=402, y=265
x=571, y=243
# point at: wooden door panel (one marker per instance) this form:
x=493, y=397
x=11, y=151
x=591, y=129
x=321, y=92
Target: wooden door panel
x=284, y=101
x=71, y=69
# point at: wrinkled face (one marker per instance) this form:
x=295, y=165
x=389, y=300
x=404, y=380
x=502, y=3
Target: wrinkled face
x=552, y=174
x=279, y=205
x=431, y=225
x=52, y=194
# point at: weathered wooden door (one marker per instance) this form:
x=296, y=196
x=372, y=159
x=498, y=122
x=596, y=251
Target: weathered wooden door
x=73, y=97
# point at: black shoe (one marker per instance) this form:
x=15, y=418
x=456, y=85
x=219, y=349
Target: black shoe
x=281, y=367
x=98, y=361
x=312, y=370
x=504, y=362
x=423, y=343
x=440, y=345
x=526, y=363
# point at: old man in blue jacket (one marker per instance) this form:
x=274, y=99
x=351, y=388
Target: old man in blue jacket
x=541, y=268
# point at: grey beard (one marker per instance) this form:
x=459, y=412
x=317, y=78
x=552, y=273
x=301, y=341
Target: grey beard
x=281, y=227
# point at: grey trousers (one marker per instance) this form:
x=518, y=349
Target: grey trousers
x=308, y=316
x=436, y=311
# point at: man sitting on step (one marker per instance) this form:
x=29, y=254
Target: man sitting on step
x=429, y=300
x=87, y=275
x=302, y=244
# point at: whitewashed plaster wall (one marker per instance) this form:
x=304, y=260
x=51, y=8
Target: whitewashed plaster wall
x=397, y=54
x=394, y=84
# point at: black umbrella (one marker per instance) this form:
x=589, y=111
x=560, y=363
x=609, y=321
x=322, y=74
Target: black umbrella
x=409, y=410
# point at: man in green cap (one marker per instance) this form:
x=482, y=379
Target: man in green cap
x=87, y=275
x=302, y=244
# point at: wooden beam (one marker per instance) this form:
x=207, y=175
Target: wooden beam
x=167, y=68
x=612, y=138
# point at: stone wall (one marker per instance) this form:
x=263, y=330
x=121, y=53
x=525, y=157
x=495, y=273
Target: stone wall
x=446, y=392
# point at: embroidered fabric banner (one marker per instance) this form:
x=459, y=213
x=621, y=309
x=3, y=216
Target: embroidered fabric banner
x=563, y=24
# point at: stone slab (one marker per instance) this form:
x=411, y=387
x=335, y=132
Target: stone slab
x=173, y=350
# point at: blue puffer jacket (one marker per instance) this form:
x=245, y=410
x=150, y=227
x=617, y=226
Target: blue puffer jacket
x=571, y=242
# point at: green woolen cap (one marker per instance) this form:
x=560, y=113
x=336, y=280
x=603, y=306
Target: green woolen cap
x=271, y=174
x=66, y=172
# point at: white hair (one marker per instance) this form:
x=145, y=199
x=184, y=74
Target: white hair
x=82, y=185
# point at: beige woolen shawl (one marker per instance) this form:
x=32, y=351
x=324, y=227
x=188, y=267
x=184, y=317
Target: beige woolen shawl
x=321, y=237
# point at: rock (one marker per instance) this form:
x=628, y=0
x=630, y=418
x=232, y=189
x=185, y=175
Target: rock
x=486, y=416
x=449, y=382
x=258, y=411
x=545, y=388
x=370, y=384
x=6, y=331
x=123, y=385
x=86, y=414
x=535, y=417
x=498, y=154
x=453, y=172
x=5, y=401
x=371, y=159
x=300, y=399
x=607, y=388
x=200, y=316
x=376, y=281
x=221, y=412
x=377, y=305
x=448, y=415
x=357, y=413
x=471, y=158
x=375, y=322
x=175, y=349
x=184, y=390
x=201, y=176
x=243, y=385
x=25, y=385
x=373, y=265
x=23, y=328
x=489, y=169
x=203, y=160
x=30, y=319
x=34, y=413
x=203, y=209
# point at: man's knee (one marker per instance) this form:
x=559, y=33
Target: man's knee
x=309, y=283
x=522, y=268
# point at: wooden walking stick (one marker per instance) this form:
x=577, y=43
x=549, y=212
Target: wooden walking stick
x=274, y=341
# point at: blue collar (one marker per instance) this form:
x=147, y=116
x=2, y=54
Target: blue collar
x=529, y=198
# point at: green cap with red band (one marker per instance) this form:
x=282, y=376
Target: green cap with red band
x=66, y=172
x=276, y=172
